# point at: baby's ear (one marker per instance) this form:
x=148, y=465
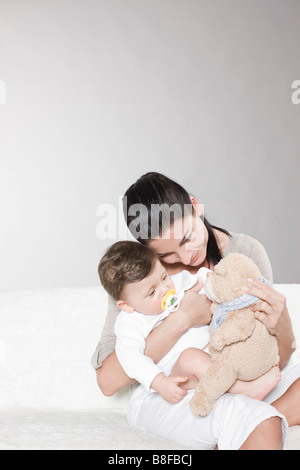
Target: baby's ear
x=124, y=306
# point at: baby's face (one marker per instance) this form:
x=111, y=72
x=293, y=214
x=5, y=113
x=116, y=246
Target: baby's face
x=146, y=296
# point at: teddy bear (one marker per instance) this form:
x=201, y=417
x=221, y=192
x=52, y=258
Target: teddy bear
x=240, y=346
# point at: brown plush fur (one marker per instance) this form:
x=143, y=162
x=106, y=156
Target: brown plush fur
x=241, y=348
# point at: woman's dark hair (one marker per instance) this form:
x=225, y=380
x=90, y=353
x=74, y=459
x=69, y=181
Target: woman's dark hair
x=171, y=201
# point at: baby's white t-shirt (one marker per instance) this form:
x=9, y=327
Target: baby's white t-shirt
x=132, y=329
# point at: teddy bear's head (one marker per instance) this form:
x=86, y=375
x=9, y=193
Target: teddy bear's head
x=229, y=277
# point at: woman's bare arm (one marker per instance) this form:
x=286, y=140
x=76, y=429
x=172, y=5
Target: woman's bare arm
x=111, y=376
x=286, y=340
x=194, y=311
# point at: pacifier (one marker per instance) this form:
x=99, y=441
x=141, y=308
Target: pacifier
x=170, y=301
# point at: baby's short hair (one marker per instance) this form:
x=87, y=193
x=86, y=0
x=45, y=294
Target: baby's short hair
x=125, y=262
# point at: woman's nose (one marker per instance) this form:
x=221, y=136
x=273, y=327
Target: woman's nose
x=185, y=256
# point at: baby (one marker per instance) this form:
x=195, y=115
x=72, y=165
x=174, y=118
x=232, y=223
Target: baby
x=133, y=275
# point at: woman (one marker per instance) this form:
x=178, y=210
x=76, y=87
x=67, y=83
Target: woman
x=184, y=239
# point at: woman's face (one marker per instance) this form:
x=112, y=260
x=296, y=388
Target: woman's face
x=185, y=242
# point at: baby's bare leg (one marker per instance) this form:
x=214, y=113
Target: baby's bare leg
x=192, y=363
x=260, y=387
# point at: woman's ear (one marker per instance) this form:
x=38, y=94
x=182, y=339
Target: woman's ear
x=124, y=306
x=196, y=206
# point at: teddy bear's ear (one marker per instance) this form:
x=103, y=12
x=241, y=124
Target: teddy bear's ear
x=221, y=269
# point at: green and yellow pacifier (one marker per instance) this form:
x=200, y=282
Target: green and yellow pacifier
x=170, y=301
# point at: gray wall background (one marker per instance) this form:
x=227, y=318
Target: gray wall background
x=100, y=91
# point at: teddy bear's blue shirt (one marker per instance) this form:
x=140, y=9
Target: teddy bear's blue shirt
x=224, y=308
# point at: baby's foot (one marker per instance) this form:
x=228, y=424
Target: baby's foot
x=260, y=387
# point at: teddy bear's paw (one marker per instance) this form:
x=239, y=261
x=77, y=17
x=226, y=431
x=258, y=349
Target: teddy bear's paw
x=217, y=342
x=200, y=404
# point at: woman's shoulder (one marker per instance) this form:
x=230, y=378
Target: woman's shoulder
x=249, y=246
x=241, y=241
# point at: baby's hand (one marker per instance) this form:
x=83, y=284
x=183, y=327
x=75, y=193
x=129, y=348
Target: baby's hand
x=197, y=287
x=168, y=387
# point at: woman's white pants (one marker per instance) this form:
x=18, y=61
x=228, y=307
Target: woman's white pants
x=231, y=421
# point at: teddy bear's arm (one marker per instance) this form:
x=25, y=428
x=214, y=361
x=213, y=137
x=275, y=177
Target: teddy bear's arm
x=238, y=326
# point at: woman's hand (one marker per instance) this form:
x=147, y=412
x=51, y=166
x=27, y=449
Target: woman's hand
x=272, y=311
